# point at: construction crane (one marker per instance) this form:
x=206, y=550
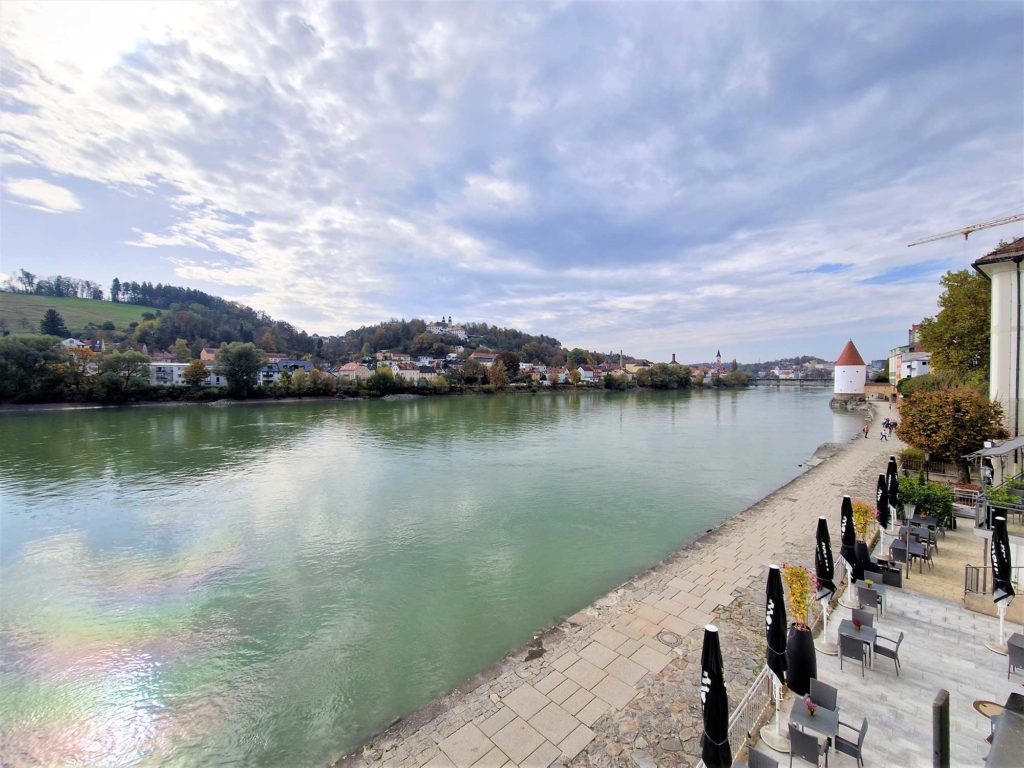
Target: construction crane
x=973, y=228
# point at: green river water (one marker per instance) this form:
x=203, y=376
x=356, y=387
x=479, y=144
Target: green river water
x=271, y=584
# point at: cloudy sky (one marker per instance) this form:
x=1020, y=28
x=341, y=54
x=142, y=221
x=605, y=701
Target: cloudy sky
x=663, y=177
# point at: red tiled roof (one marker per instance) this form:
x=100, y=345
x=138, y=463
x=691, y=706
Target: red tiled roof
x=850, y=355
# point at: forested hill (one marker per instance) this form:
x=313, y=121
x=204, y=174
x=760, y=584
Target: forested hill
x=411, y=336
x=169, y=313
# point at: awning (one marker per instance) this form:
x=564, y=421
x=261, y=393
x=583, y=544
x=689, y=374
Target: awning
x=1009, y=446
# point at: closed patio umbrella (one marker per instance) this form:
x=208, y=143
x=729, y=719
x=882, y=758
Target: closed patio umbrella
x=1002, y=573
x=892, y=486
x=714, y=741
x=848, y=539
x=775, y=626
x=825, y=571
x=882, y=505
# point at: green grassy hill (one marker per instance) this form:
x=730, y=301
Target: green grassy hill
x=22, y=312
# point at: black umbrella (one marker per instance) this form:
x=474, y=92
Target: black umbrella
x=775, y=623
x=1002, y=589
x=824, y=565
x=892, y=485
x=848, y=534
x=882, y=501
x=714, y=741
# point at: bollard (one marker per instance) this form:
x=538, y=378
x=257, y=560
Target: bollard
x=940, y=729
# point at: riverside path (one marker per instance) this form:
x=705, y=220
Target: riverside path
x=618, y=682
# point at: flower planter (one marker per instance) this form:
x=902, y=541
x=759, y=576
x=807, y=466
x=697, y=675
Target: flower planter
x=801, y=661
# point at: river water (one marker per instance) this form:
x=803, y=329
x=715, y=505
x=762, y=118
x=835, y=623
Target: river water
x=271, y=584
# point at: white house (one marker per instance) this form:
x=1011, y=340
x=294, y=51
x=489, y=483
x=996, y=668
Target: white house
x=172, y=375
x=1002, y=268
x=915, y=364
x=74, y=344
x=850, y=374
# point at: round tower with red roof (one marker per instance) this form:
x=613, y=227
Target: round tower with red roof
x=850, y=375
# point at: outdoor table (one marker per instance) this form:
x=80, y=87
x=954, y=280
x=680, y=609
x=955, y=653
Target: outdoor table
x=865, y=634
x=917, y=550
x=1017, y=639
x=1008, y=738
x=825, y=721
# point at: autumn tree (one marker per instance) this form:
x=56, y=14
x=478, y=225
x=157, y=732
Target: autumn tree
x=950, y=423
x=575, y=376
x=196, y=373
x=52, y=324
x=473, y=372
x=958, y=336
x=240, y=362
x=181, y=350
x=496, y=375
x=578, y=357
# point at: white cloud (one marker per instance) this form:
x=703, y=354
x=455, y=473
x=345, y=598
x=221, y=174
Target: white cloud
x=43, y=196
x=604, y=173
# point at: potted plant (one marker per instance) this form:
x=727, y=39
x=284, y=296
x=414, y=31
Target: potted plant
x=801, y=661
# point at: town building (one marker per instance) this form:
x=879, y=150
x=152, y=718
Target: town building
x=850, y=374
x=447, y=328
x=1002, y=268
x=914, y=364
x=172, y=375
x=208, y=355
x=896, y=354
x=486, y=359
x=353, y=371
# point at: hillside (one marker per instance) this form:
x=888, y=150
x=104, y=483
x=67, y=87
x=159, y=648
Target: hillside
x=21, y=313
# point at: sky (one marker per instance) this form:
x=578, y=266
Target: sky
x=655, y=177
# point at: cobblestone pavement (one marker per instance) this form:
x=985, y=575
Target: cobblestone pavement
x=618, y=682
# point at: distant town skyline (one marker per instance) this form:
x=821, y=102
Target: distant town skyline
x=657, y=178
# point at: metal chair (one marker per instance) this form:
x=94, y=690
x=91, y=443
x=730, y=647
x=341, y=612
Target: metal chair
x=889, y=653
x=876, y=576
x=806, y=747
x=866, y=618
x=1014, y=656
x=851, y=748
x=757, y=759
x=852, y=648
x=824, y=695
x=869, y=598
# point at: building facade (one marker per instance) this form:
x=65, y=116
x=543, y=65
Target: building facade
x=850, y=374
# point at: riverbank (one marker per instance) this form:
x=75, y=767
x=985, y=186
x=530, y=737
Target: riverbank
x=619, y=679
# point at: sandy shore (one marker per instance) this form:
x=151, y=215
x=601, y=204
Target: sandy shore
x=617, y=682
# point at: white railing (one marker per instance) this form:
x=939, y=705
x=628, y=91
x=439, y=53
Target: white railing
x=749, y=713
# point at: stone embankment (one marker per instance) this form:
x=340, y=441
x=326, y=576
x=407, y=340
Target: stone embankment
x=618, y=682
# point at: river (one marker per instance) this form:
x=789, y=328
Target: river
x=272, y=584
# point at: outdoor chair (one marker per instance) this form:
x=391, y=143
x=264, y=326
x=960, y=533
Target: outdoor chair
x=865, y=618
x=806, y=747
x=878, y=577
x=892, y=652
x=824, y=695
x=852, y=648
x=1015, y=658
x=757, y=759
x=851, y=748
x=869, y=598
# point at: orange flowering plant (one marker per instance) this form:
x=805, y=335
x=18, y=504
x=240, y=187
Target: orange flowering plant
x=863, y=517
x=800, y=584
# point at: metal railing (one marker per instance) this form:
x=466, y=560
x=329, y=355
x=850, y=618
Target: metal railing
x=978, y=578
x=750, y=712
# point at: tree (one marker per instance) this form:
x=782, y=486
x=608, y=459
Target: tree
x=30, y=368
x=196, y=373
x=267, y=343
x=131, y=368
x=496, y=375
x=958, y=336
x=575, y=376
x=28, y=281
x=115, y=290
x=473, y=372
x=950, y=423
x=52, y=324
x=367, y=350
x=240, y=362
x=578, y=357
x=180, y=350
x=511, y=362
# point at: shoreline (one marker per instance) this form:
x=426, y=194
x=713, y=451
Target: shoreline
x=422, y=735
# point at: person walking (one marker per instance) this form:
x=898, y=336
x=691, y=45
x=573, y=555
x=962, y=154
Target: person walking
x=885, y=435
x=866, y=431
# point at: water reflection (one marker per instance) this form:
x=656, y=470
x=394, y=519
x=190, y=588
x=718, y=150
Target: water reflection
x=273, y=584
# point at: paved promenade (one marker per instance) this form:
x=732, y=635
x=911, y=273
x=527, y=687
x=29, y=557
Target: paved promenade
x=617, y=684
